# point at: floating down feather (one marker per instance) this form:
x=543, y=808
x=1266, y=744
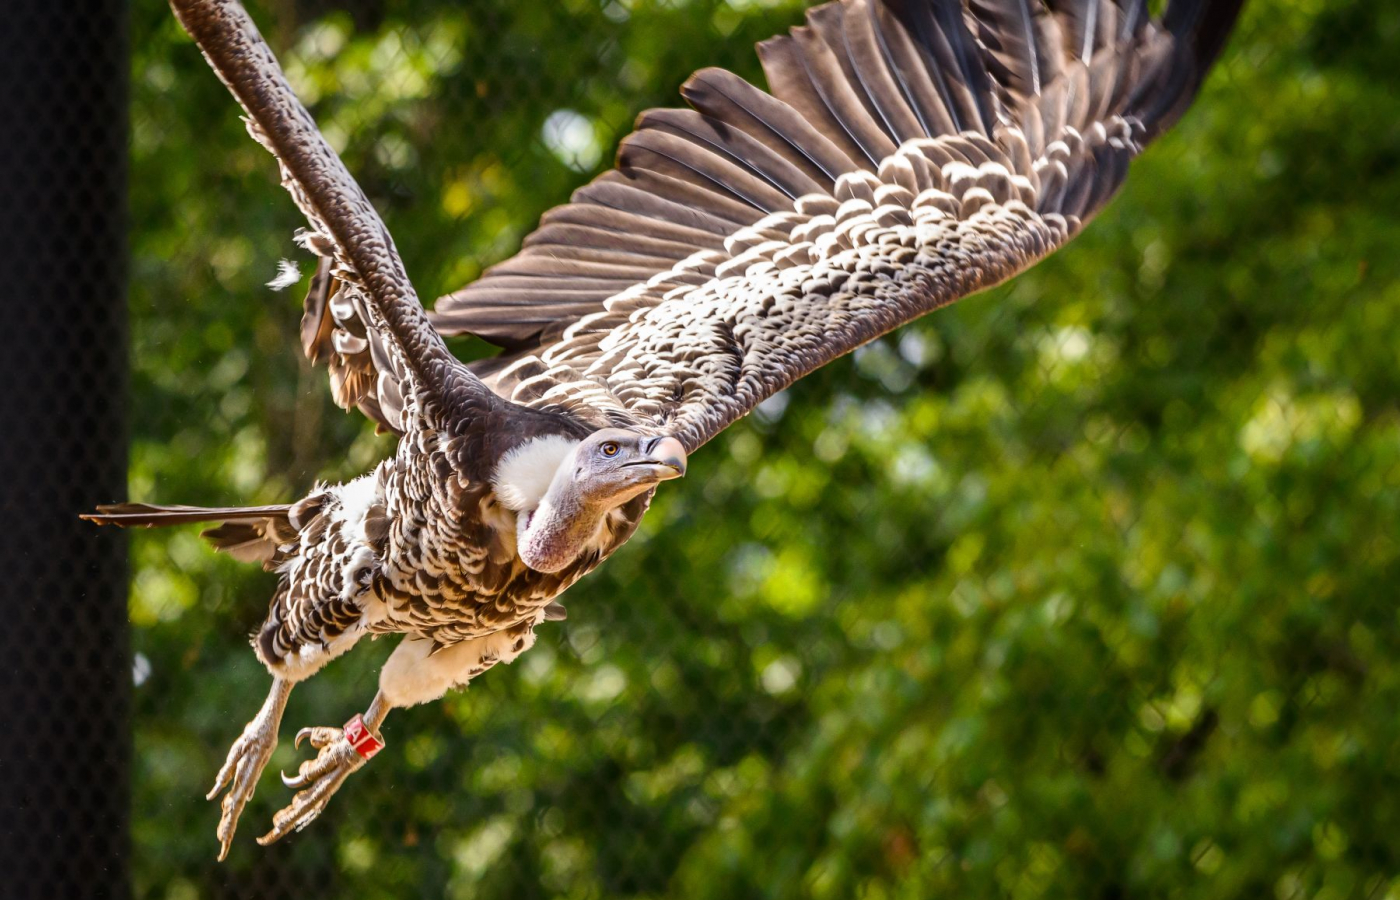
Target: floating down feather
x=907, y=153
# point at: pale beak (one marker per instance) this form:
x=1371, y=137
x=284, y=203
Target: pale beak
x=669, y=453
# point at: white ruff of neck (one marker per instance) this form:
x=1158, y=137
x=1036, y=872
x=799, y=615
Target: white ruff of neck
x=553, y=523
x=523, y=477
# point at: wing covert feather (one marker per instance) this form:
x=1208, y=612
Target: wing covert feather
x=908, y=153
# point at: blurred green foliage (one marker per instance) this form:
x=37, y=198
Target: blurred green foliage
x=1082, y=588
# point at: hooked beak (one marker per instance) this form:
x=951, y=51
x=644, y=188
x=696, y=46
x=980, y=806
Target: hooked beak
x=668, y=454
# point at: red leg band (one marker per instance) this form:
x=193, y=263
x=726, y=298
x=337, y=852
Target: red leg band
x=360, y=737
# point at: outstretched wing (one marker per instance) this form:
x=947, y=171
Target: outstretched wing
x=911, y=152
x=363, y=317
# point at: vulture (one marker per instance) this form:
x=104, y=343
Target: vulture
x=905, y=154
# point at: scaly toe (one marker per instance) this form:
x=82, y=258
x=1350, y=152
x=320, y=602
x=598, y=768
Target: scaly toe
x=226, y=771
x=239, y=774
x=316, y=781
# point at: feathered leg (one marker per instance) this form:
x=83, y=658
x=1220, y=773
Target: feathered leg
x=418, y=671
x=245, y=762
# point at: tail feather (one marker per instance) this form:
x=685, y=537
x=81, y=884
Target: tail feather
x=248, y=534
x=147, y=515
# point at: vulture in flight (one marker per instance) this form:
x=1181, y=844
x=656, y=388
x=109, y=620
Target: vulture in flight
x=906, y=153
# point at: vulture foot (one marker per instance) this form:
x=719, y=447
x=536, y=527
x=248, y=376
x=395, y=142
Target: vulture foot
x=341, y=751
x=245, y=762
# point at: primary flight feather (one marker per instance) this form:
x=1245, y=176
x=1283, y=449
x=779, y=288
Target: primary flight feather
x=906, y=154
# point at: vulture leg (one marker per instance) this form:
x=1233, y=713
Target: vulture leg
x=341, y=751
x=418, y=671
x=245, y=762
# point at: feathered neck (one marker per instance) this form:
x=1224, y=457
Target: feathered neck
x=524, y=475
x=554, y=521
x=560, y=528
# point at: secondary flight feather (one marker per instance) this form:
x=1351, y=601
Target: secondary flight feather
x=905, y=154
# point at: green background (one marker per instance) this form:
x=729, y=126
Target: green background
x=1082, y=588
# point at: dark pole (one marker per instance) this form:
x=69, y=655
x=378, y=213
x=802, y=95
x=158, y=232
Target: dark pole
x=64, y=670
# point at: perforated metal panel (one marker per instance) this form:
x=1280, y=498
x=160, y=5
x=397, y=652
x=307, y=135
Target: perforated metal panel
x=64, y=670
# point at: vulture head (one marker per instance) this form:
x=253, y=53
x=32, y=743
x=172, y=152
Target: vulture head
x=614, y=465
x=563, y=490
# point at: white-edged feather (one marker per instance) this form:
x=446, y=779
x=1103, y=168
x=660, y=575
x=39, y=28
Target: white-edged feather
x=356, y=498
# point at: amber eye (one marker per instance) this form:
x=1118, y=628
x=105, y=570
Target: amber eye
x=610, y=449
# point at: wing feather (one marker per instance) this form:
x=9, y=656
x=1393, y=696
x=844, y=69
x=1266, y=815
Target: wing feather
x=727, y=98
x=882, y=86
x=733, y=145
x=911, y=152
x=953, y=57
x=541, y=266
x=722, y=204
x=1024, y=48
x=365, y=271
x=623, y=196
x=924, y=84
x=789, y=81
x=821, y=51
x=625, y=222
x=672, y=155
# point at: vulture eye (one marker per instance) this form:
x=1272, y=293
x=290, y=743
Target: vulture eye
x=610, y=449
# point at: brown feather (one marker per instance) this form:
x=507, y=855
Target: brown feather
x=676, y=157
x=790, y=83
x=733, y=145
x=149, y=515
x=621, y=195
x=728, y=98
x=316, y=323
x=880, y=85
x=925, y=91
x=833, y=77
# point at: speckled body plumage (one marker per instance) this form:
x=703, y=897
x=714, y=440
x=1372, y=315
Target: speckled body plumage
x=448, y=568
x=422, y=546
x=907, y=153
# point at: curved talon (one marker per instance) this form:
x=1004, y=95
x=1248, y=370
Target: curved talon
x=301, y=735
x=319, y=736
x=317, y=779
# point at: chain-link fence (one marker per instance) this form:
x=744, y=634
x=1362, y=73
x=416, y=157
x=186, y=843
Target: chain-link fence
x=1085, y=587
